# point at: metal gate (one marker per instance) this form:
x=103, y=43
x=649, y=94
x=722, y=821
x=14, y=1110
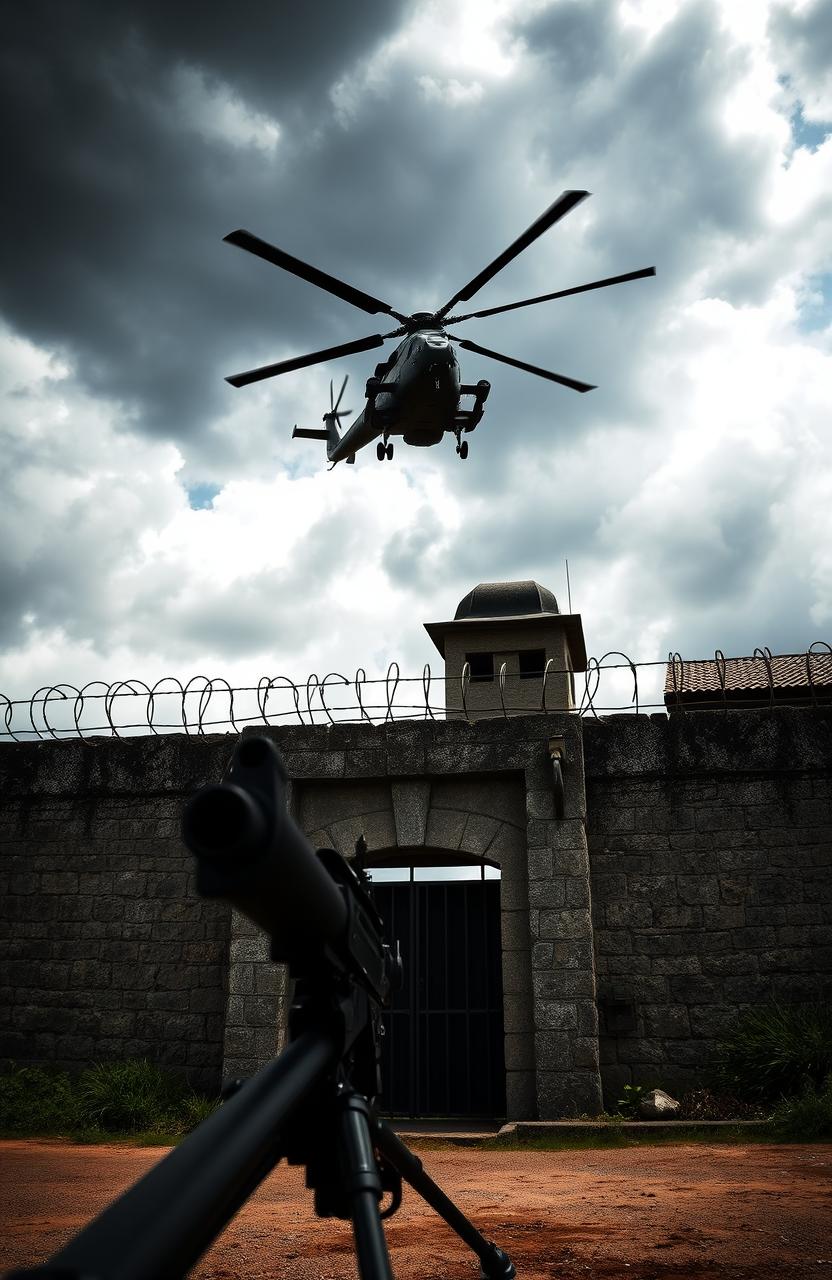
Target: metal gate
x=442, y=1052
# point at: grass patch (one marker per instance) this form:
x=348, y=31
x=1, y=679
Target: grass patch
x=777, y=1052
x=134, y=1102
x=806, y=1118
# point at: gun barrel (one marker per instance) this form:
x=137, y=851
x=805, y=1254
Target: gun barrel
x=250, y=852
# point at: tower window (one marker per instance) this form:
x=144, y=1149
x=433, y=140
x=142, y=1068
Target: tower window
x=481, y=665
x=532, y=663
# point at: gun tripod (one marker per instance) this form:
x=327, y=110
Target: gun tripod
x=353, y=1183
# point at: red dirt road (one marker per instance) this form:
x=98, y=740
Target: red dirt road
x=659, y=1213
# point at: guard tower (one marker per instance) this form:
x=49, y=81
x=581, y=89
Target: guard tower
x=507, y=646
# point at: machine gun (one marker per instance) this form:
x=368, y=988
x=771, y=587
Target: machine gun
x=315, y=1104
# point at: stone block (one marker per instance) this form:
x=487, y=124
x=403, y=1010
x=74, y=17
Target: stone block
x=628, y=915
x=566, y=923
x=411, y=801
x=573, y=954
x=568, y=1093
x=520, y=1095
x=653, y=888
x=577, y=891
x=547, y=893
x=667, y=965
x=540, y=863
x=695, y=890
x=445, y=828
x=206, y=1000
x=514, y=931
x=514, y=894
x=555, y=1015
x=608, y=887
x=540, y=803
x=562, y=984
x=519, y=1051
x=516, y=972
x=249, y=949
x=668, y=1021
x=585, y=1052
x=570, y=861
x=553, y=1050
x=479, y=833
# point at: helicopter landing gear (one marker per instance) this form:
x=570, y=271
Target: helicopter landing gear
x=461, y=446
x=383, y=451
x=389, y=452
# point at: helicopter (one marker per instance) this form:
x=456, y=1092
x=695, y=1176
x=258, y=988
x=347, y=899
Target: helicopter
x=417, y=391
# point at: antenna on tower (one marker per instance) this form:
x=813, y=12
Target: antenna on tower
x=568, y=588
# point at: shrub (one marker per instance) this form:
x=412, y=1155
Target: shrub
x=130, y=1096
x=193, y=1110
x=36, y=1100
x=776, y=1052
x=628, y=1104
x=806, y=1117
x=705, y=1104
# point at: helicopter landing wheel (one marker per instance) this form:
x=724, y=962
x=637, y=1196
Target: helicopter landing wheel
x=389, y=452
x=462, y=450
x=381, y=452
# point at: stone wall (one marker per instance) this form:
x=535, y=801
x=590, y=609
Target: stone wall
x=710, y=838
x=107, y=952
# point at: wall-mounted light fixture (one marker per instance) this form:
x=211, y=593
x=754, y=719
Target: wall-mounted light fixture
x=557, y=755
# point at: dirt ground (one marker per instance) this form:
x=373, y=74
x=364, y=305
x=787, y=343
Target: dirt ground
x=660, y=1213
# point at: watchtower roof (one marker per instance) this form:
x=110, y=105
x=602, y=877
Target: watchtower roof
x=525, y=599
x=491, y=605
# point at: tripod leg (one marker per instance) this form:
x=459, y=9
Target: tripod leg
x=494, y=1264
x=362, y=1182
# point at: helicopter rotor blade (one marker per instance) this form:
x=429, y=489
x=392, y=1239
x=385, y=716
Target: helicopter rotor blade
x=340, y=393
x=270, y=253
x=303, y=362
x=561, y=293
x=574, y=383
x=553, y=214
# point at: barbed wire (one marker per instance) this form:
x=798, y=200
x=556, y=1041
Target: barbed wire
x=58, y=711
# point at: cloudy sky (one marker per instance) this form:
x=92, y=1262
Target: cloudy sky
x=154, y=520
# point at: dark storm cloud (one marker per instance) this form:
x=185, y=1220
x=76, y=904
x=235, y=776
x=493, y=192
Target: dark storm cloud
x=112, y=223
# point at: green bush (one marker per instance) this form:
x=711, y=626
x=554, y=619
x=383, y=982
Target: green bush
x=36, y=1100
x=112, y=1097
x=776, y=1052
x=129, y=1096
x=193, y=1110
x=628, y=1104
x=806, y=1117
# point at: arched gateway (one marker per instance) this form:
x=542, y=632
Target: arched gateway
x=499, y=1015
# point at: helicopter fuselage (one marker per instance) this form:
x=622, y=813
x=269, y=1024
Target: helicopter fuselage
x=414, y=394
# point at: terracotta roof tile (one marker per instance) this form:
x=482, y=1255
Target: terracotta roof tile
x=788, y=671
